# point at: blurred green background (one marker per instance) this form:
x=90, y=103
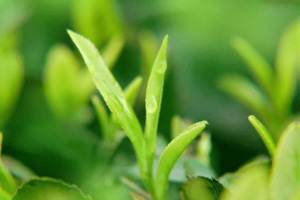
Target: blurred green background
x=200, y=52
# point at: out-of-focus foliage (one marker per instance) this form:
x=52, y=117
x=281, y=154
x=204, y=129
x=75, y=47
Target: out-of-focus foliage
x=89, y=148
x=68, y=87
x=11, y=78
x=97, y=20
x=273, y=100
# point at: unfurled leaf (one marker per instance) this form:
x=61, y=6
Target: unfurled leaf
x=113, y=95
x=112, y=51
x=46, y=188
x=68, y=87
x=11, y=78
x=264, y=134
x=246, y=92
x=258, y=66
x=153, y=101
x=171, y=154
x=132, y=90
x=251, y=184
x=286, y=67
x=286, y=164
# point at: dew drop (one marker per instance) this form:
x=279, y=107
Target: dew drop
x=151, y=105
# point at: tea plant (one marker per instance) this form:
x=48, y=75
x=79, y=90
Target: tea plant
x=260, y=179
x=11, y=77
x=144, y=144
x=272, y=101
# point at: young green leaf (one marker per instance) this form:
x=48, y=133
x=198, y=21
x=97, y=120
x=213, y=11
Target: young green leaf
x=113, y=96
x=153, y=102
x=149, y=48
x=11, y=78
x=286, y=67
x=178, y=125
x=132, y=90
x=102, y=115
x=246, y=92
x=286, y=164
x=252, y=184
x=171, y=154
x=264, y=134
x=259, y=67
x=46, y=188
x=68, y=87
x=112, y=51
x=96, y=20
x=204, y=148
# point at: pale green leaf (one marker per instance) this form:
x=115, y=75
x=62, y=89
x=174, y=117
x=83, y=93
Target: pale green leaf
x=153, y=102
x=286, y=66
x=252, y=184
x=171, y=154
x=68, y=87
x=46, y=188
x=204, y=148
x=149, y=48
x=286, y=165
x=132, y=90
x=264, y=134
x=113, y=95
x=102, y=115
x=11, y=78
x=258, y=66
x=113, y=50
x=96, y=19
x=246, y=92
x=178, y=125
